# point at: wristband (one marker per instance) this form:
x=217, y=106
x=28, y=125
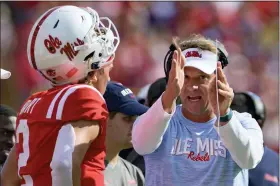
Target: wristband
x=226, y=117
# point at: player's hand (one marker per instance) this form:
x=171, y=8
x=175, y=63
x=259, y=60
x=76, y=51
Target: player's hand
x=175, y=79
x=225, y=92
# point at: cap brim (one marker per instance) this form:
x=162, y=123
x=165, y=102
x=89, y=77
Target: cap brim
x=205, y=66
x=5, y=74
x=133, y=108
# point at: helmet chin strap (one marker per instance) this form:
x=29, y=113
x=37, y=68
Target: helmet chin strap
x=217, y=93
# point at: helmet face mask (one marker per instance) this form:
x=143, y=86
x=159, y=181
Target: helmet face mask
x=109, y=35
x=63, y=37
x=107, y=39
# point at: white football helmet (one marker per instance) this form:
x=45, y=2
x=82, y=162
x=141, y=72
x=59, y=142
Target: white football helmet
x=67, y=42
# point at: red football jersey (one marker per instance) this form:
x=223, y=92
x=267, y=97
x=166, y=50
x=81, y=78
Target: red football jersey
x=45, y=138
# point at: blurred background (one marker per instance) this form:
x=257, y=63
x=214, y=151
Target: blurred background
x=249, y=31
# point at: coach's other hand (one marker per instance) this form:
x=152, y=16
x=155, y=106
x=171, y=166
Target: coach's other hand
x=225, y=92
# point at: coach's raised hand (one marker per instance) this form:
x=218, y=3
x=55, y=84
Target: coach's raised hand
x=225, y=93
x=175, y=80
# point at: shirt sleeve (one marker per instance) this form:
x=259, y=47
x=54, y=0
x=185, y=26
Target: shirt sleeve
x=149, y=128
x=243, y=138
x=85, y=103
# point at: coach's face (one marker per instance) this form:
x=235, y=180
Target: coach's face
x=7, y=136
x=194, y=94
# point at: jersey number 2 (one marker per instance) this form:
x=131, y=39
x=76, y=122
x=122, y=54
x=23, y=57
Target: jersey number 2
x=23, y=157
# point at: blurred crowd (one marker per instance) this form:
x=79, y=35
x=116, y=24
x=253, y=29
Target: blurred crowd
x=249, y=31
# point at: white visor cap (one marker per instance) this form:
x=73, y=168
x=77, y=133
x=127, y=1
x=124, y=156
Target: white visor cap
x=203, y=60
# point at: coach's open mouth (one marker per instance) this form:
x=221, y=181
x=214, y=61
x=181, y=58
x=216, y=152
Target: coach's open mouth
x=194, y=98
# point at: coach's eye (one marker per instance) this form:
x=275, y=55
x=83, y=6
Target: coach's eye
x=203, y=77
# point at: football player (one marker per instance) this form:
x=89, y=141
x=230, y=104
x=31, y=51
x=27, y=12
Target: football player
x=60, y=132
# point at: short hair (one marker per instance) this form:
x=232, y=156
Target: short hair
x=198, y=41
x=7, y=111
x=112, y=114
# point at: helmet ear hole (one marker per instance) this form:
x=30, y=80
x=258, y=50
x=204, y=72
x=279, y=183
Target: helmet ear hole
x=93, y=66
x=89, y=56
